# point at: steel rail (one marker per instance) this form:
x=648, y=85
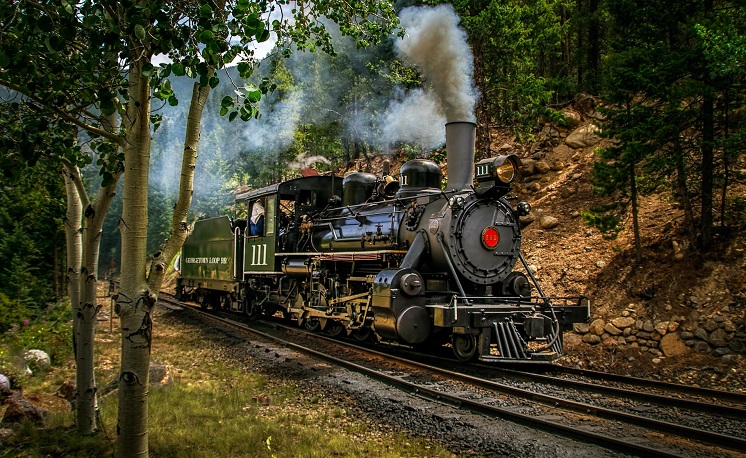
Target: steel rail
x=662, y=400
x=474, y=406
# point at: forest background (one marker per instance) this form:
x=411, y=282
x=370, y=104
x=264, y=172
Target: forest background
x=669, y=75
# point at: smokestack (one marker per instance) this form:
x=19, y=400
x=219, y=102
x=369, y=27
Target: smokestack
x=460, y=141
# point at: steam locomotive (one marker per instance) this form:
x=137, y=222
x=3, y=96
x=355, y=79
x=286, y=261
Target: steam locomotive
x=398, y=260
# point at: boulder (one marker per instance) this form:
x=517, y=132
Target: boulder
x=648, y=326
x=701, y=334
x=672, y=345
x=662, y=327
x=548, y=222
x=591, y=338
x=581, y=328
x=19, y=410
x=572, y=117
x=159, y=375
x=542, y=167
x=4, y=383
x=613, y=330
x=623, y=322
x=529, y=167
x=597, y=327
x=583, y=137
x=38, y=360
x=718, y=338
x=710, y=325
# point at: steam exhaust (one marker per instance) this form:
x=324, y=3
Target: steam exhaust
x=460, y=144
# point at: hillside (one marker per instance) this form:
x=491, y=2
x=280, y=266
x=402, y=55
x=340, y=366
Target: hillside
x=678, y=314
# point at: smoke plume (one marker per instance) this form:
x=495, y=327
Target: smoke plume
x=439, y=48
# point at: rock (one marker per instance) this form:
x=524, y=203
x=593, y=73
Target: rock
x=597, y=327
x=533, y=187
x=529, y=167
x=721, y=351
x=572, y=117
x=527, y=219
x=662, y=328
x=656, y=360
x=623, y=322
x=19, y=410
x=159, y=375
x=506, y=147
x=718, y=338
x=38, y=360
x=701, y=334
x=576, y=176
x=575, y=214
x=701, y=347
x=673, y=326
x=647, y=326
x=583, y=137
x=66, y=391
x=4, y=383
x=548, y=222
x=731, y=359
x=600, y=264
x=572, y=340
x=581, y=328
x=591, y=338
x=672, y=345
x=737, y=345
x=542, y=167
x=710, y=325
x=613, y=330
x=728, y=326
x=686, y=335
x=558, y=165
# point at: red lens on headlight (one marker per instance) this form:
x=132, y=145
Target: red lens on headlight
x=490, y=237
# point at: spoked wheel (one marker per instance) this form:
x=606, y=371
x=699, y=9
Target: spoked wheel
x=464, y=346
x=334, y=329
x=312, y=324
x=362, y=334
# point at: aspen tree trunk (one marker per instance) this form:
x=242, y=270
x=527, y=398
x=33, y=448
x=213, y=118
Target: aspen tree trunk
x=134, y=300
x=179, y=230
x=83, y=251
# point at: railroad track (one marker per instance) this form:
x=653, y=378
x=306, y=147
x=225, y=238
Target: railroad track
x=440, y=392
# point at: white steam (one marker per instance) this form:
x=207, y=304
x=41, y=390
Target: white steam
x=416, y=118
x=438, y=47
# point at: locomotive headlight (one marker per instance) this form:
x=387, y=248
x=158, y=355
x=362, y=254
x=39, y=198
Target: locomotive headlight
x=506, y=170
x=501, y=170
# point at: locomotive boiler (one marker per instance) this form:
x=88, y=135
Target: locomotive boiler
x=403, y=260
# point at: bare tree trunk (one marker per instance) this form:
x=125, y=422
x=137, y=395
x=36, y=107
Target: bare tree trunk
x=683, y=191
x=708, y=155
x=635, y=215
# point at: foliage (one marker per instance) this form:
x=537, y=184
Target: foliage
x=31, y=233
x=48, y=330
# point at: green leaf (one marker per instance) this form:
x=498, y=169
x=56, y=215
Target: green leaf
x=140, y=32
x=227, y=101
x=147, y=70
x=254, y=96
x=232, y=116
x=178, y=69
x=223, y=111
x=214, y=82
x=5, y=60
x=206, y=36
x=264, y=36
x=205, y=11
x=173, y=101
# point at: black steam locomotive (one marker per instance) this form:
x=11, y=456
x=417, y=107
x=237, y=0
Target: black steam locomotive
x=395, y=260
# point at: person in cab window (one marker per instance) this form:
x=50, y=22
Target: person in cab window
x=257, y=218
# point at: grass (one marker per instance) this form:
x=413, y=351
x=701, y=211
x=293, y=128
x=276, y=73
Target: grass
x=210, y=410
